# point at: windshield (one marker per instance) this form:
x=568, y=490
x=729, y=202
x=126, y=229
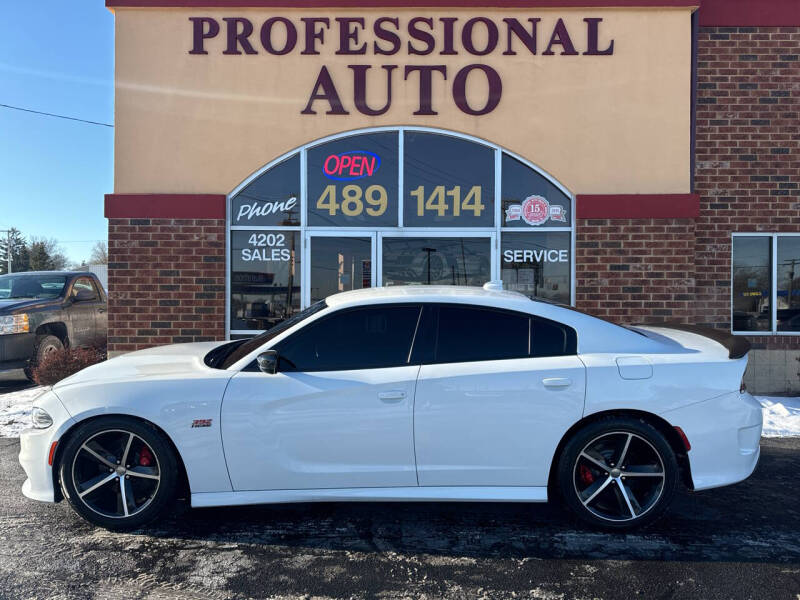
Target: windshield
x=31, y=286
x=241, y=350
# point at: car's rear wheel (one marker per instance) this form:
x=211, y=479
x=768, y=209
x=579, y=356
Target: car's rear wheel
x=618, y=473
x=118, y=472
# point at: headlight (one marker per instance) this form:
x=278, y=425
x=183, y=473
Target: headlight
x=40, y=418
x=14, y=324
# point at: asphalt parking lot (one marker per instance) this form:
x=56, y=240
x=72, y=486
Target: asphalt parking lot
x=12, y=381
x=738, y=542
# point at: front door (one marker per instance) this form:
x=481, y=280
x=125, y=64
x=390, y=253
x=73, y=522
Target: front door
x=501, y=390
x=338, y=414
x=339, y=263
x=83, y=313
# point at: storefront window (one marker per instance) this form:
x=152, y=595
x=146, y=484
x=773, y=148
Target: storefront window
x=436, y=261
x=537, y=264
x=393, y=206
x=265, y=277
x=272, y=198
x=352, y=182
x=788, y=283
x=339, y=264
x=752, y=270
x=448, y=182
x=530, y=200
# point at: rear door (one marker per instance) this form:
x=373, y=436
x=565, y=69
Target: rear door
x=499, y=391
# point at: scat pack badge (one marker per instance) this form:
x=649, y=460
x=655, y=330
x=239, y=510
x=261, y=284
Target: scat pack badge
x=535, y=210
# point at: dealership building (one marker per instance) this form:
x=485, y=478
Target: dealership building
x=637, y=159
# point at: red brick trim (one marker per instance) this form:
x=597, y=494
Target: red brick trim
x=638, y=206
x=753, y=13
x=165, y=206
x=401, y=3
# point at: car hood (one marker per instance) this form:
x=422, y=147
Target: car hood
x=162, y=362
x=11, y=305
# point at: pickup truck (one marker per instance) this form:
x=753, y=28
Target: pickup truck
x=43, y=311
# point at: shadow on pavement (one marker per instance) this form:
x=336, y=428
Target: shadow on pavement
x=12, y=381
x=755, y=521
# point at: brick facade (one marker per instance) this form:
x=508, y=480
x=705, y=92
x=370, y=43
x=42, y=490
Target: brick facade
x=166, y=282
x=747, y=170
x=748, y=148
x=636, y=270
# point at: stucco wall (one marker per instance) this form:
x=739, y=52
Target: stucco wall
x=600, y=124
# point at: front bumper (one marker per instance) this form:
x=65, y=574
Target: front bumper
x=724, y=433
x=16, y=350
x=35, y=447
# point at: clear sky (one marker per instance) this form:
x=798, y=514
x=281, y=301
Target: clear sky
x=58, y=57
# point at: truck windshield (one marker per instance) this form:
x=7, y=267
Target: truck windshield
x=243, y=349
x=31, y=286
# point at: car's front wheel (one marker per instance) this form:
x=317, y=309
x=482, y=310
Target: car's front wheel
x=618, y=473
x=118, y=472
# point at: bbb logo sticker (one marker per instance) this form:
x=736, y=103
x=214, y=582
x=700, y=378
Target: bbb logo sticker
x=348, y=166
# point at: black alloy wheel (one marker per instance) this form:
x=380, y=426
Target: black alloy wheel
x=618, y=473
x=118, y=472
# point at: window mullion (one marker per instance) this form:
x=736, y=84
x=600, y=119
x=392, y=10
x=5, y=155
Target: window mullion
x=774, y=286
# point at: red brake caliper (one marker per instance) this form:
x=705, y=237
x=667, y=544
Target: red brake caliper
x=586, y=474
x=145, y=457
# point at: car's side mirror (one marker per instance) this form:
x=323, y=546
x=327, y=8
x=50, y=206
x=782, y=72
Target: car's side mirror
x=268, y=362
x=83, y=296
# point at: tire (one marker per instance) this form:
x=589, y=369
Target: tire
x=94, y=489
x=590, y=476
x=43, y=345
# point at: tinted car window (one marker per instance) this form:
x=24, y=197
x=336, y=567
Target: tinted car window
x=549, y=338
x=32, y=286
x=469, y=334
x=363, y=338
x=219, y=359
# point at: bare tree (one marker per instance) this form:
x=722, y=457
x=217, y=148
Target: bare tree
x=99, y=254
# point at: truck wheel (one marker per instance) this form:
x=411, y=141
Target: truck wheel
x=45, y=344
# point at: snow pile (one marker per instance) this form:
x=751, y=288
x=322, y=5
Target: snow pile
x=15, y=411
x=781, y=416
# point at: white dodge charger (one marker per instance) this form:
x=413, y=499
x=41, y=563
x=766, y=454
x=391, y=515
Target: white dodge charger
x=404, y=393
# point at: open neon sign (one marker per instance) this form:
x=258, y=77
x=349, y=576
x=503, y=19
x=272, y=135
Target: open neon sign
x=347, y=166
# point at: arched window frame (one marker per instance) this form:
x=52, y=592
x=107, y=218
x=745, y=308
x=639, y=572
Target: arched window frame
x=496, y=231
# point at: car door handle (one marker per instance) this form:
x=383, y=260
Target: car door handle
x=556, y=382
x=392, y=395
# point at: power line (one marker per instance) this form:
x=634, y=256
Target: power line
x=47, y=114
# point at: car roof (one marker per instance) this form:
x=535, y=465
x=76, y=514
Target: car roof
x=64, y=273
x=428, y=293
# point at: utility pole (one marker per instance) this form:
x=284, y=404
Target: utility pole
x=8, y=247
x=791, y=263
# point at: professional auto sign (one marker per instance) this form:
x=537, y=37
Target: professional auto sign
x=348, y=166
x=535, y=210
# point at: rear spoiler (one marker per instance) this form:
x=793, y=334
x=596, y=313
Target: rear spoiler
x=736, y=346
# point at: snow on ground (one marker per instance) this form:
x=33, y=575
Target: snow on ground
x=781, y=415
x=15, y=411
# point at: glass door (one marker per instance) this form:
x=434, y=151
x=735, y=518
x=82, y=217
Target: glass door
x=339, y=263
x=437, y=258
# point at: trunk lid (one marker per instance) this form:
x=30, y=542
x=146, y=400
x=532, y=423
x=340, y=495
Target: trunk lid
x=717, y=342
